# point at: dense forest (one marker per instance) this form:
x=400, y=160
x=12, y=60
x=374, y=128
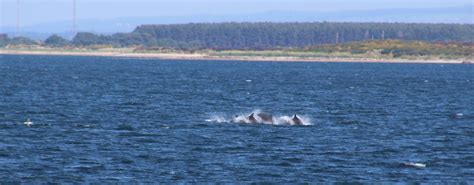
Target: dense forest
x=282, y=35
x=261, y=36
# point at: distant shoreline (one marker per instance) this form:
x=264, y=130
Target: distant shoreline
x=205, y=56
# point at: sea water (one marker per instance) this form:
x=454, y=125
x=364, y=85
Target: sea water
x=99, y=119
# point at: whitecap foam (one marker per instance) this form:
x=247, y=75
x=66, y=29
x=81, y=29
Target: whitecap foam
x=217, y=119
x=28, y=123
x=417, y=165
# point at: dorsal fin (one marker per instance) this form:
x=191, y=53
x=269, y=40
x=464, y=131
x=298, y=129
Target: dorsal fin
x=297, y=120
x=252, y=119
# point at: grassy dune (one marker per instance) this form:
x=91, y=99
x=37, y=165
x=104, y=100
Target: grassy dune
x=388, y=50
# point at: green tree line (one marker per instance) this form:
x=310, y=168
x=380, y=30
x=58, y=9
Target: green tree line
x=261, y=36
x=284, y=35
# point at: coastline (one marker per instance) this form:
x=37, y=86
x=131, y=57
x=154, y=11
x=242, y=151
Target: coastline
x=207, y=56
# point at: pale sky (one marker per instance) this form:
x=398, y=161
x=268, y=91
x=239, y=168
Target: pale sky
x=42, y=11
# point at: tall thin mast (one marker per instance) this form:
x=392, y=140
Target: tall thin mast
x=17, y=18
x=74, y=18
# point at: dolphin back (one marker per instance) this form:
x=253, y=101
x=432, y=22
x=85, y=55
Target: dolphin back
x=266, y=117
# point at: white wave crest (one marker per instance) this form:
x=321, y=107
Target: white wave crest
x=416, y=165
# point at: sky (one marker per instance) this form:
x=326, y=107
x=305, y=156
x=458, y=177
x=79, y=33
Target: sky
x=33, y=12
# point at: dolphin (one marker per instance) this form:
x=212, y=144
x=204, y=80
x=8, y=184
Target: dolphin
x=296, y=120
x=266, y=118
x=252, y=118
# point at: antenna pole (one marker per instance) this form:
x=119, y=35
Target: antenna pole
x=17, y=18
x=74, y=23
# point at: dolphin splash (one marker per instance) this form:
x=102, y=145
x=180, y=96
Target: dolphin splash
x=258, y=117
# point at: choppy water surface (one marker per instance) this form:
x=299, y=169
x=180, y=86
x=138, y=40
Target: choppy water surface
x=129, y=120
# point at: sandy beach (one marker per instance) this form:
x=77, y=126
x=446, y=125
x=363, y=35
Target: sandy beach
x=205, y=56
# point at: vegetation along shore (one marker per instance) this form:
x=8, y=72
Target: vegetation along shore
x=346, y=42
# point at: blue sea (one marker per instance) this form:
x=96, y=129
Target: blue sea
x=109, y=120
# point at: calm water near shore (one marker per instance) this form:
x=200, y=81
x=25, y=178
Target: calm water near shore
x=100, y=119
